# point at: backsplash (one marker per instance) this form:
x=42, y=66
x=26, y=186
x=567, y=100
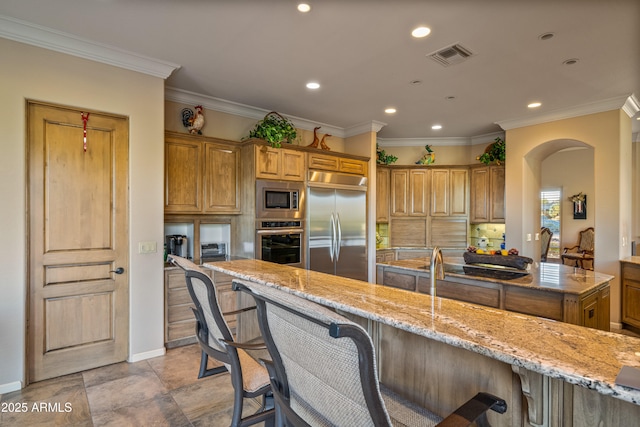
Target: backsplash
x=382, y=232
x=493, y=232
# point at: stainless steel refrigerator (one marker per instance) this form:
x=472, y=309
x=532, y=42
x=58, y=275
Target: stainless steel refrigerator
x=337, y=224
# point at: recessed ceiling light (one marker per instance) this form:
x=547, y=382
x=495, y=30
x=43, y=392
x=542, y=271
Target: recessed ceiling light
x=436, y=127
x=570, y=61
x=421, y=32
x=390, y=110
x=313, y=85
x=304, y=7
x=534, y=105
x=546, y=36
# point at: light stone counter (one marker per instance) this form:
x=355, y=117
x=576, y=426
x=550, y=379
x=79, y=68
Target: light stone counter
x=542, y=276
x=632, y=260
x=585, y=357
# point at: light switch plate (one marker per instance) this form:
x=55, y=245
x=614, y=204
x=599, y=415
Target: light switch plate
x=147, y=247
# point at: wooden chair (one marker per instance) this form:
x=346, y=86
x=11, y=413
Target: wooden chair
x=249, y=377
x=545, y=241
x=583, y=251
x=324, y=372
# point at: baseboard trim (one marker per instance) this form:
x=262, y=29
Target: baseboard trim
x=614, y=325
x=146, y=355
x=9, y=387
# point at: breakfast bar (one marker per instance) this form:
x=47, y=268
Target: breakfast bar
x=438, y=351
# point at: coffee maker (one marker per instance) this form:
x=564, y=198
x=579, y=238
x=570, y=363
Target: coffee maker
x=177, y=244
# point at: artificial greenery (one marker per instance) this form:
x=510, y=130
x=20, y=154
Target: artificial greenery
x=494, y=152
x=274, y=129
x=384, y=158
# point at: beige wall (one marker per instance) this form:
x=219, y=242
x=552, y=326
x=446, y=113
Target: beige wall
x=235, y=128
x=29, y=72
x=609, y=134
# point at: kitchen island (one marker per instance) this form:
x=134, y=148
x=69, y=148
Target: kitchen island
x=438, y=352
x=554, y=291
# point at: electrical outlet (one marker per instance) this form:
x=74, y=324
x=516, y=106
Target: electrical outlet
x=147, y=247
x=528, y=237
x=537, y=236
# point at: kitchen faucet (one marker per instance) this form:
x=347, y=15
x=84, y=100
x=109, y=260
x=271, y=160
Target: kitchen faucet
x=434, y=271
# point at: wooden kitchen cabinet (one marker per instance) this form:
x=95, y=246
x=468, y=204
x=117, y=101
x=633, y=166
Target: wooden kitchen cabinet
x=630, y=279
x=202, y=175
x=449, y=192
x=279, y=163
x=487, y=198
x=221, y=178
x=183, y=175
x=179, y=321
x=409, y=189
x=383, y=185
x=335, y=163
x=179, y=318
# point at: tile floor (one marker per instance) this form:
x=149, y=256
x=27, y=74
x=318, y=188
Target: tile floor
x=163, y=391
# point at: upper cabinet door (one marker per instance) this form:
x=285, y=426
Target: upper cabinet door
x=399, y=192
x=459, y=192
x=418, y=190
x=383, y=184
x=449, y=189
x=497, y=187
x=222, y=179
x=440, y=192
x=479, y=195
x=279, y=163
x=183, y=176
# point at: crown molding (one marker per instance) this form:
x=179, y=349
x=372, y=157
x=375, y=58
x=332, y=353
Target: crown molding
x=372, y=126
x=626, y=101
x=631, y=105
x=47, y=38
x=421, y=142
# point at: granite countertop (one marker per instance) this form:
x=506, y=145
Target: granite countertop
x=575, y=354
x=543, y=276
x=632, y=260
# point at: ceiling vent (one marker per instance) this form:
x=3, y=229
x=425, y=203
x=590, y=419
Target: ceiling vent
x=451, y=55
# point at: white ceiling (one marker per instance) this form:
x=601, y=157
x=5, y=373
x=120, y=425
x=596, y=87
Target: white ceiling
x=262, y=52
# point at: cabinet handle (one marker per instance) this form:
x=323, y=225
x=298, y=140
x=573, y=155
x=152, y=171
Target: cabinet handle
x=118, y=270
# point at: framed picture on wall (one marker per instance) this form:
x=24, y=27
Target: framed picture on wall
x=580, y=206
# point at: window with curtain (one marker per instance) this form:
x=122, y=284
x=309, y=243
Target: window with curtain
x=550, y=218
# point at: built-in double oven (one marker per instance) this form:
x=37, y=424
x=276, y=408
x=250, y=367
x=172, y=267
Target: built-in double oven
x=280, y=222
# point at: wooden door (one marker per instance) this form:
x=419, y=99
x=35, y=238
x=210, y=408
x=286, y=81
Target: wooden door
x=78, y=236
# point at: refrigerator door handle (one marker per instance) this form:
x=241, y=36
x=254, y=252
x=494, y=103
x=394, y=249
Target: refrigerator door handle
x=339, y=239
x=332, y=226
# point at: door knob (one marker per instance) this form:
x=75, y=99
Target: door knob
x=118, y=270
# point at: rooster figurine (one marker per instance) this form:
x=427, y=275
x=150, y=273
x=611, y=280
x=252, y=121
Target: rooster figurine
x=193, y=121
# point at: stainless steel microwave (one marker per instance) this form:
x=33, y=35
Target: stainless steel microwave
x=279, y=199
